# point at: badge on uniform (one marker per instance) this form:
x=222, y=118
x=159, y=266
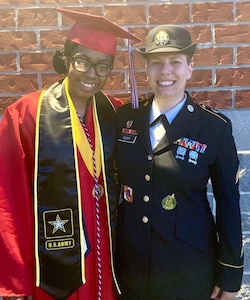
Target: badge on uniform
x=194, y=147
x=169, y=202
x=128, y=193
x=128, y=135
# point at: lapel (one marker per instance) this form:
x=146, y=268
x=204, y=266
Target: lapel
x=141, y=122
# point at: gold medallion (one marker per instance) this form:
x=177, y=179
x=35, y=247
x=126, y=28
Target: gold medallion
x=169, y=202
x=98, y=191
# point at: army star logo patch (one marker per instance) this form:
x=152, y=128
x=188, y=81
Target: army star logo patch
x=58, y=224
x=58, y=229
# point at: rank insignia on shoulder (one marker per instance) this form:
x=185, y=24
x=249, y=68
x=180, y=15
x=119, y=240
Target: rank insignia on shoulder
x=212, y=111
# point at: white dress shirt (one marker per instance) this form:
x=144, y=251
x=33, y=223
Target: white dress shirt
x=157, y=131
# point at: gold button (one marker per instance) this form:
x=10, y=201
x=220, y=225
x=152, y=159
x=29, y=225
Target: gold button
x=146, y=198
x=150, y=157
x=145, y=220
x=147, y=177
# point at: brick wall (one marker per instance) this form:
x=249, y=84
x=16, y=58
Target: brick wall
x=30, y=30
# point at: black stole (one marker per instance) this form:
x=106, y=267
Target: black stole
x=60, y=245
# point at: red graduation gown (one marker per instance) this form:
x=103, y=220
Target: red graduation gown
x=17, y=135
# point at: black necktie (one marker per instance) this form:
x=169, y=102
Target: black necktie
x=161, y=119
x=163, y=144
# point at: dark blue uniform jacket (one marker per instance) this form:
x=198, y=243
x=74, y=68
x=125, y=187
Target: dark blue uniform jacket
x=169, y=244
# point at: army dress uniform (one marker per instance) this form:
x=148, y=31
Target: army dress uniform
x=169, y=245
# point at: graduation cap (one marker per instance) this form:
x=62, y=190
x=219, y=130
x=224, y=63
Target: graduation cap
x=99, y=34
x=95, y=32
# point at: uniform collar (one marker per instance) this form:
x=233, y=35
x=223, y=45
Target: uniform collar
x=170, y=115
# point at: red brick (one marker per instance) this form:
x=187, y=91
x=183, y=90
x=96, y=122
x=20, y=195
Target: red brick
x=37, y=17
x=139, y=60
x=14, y=40
x=126, y=15
x=18, y=3
x=121, y=60
x=200, y=34
x=141, y=33
x=48, y=79
x=141, y=80
x=36, y=61
x=242, y=99
x=8, y=62
x=116, y=81
x=200, y=78
x=52, y=39
x=243, y=55
x=169, y=13
x=97, y=10
x=212, y=12
x=233, y=33
x=232, y=77
x=213, y=56
x=243, y=11
x=6, y=101
x=60, y=1
x=18, y=83
x=211, y=25
x=214, y=99
x=7, y=18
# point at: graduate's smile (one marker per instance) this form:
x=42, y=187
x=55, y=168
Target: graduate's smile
x=87, y=85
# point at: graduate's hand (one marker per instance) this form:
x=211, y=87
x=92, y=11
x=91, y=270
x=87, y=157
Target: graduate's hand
x=219, y=294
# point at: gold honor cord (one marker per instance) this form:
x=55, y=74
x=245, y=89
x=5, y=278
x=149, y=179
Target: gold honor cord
x=81, y=138
x=86, y=154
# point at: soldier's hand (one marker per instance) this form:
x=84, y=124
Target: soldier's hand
x=219, y=294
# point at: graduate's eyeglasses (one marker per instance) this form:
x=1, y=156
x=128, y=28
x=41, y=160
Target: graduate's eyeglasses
x=83, y=65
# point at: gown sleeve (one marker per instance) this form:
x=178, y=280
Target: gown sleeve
x=17, y=132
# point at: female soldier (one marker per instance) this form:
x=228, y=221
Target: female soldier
x=168, y=245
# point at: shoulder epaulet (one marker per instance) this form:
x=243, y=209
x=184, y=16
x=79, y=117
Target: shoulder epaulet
x=213, y=112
